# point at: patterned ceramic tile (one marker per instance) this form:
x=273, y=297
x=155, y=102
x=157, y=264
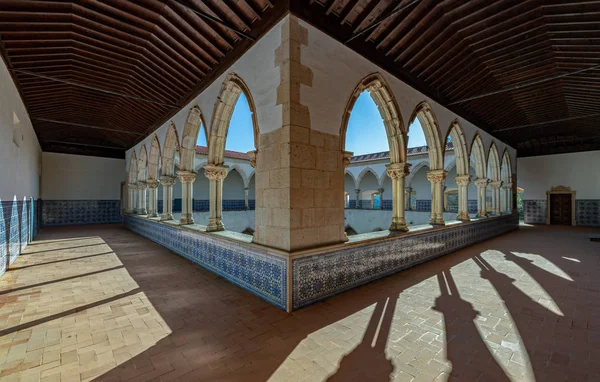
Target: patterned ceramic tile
x=452, y=203
x=261, y=274
x=234, y=205
x=535, y=211
x=423, y=205
x=473, y=206
x=201, y=205
x=75, y=212
x=17, y=229
x=317, y=277
x=587, y=212
x=387, y=205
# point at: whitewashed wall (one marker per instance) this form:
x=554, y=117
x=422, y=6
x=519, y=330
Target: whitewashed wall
x=580, y=171
x=76, y=177
x=19, y=163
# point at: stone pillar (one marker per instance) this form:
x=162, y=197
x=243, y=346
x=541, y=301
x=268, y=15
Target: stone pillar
x=153, y=197
x=436, y=177
x=445, y=198
x=357, y=192
x=246, y=202
x=496, y=185
x=397, y=172
x=142, y=187
x=167, y=183
x=380, y=190
x=508, y=197
x=187, y=193
x=215, y=175
x=481, y=184
x=132, y=191
x=408, y=198
x=463, y=197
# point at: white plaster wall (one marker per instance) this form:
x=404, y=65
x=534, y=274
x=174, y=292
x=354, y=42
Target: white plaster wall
x=336, y=72
x=368, y=185
x=201, y=187
x=20, y=166
x=421, y=185
x=76, y=177
x=580, y=171
x=233, y=186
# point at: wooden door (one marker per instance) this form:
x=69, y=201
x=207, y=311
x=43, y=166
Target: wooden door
x=560, y=209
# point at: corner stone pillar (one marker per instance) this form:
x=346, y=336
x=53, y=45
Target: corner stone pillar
x=215, y=175
x=187, y=192
x=142, y=187
x=167, y=183
x=397, y=172
x=132, y=190
x=436, y=177
x=463, y=197
x=357, y=192
x=153, y=198
x=481, y=184
x=508, y=197
x=496, y=185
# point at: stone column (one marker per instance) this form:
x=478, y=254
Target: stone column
x=496, y=209
x=153, y=197
x=397, y=172
x=215, y=174
x=408, y=198
x=246, y=202
x=481, y=184
x=132, y=190
x=357, y=192
x=463, y=197
x=167, y=183
x=187, y=193
x=436, y=177
x=508, y=198
x=142, y=187
x=380, y=190
x=445, y=198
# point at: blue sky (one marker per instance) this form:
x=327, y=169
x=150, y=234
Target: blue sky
x=365, y=135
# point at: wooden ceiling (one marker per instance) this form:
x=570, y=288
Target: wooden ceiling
x=97, y=76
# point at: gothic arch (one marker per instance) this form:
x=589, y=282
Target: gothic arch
x=353, y=178
x=191, y=129
x=170, y=147
x=479, y=154
x=240, y=171
x=430, y=126
x=133, y=168
x=388, y=108
x=143, y=165
x=364, y=172
x=506, y=168
x=494, y=163
x=154, y=158
x=230, y=92
x=414, y=171
x=461, y=154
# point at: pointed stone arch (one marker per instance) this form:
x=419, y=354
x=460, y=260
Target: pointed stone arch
x=230, y=92
x=346, y=172
x=389, y=110
x=494, y=163
x=478, y=153
x=133, y=170
x=431, y=130
x=193, y=124
x=364, y=172
x=414, y=171
x=142, y=171
x=240, y=171
x=461, y=154
x=506, y=168
x=154, y=158
x=170, y=147
x=507, y=187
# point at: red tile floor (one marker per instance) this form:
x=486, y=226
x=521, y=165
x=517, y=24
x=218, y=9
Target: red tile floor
x=99, y=302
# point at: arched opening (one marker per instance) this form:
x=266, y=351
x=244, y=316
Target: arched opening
x=477, y=160
x=233, y=191
x=373, y=112
x=495, y=182
x=168, y=179
x=421, y=187
x=132, y=183
x=153, y=165
x=506, y=196
x=235, y=117
x=142, y=177
x=456, y=195
x=350, y=190
x=201, y=194
x=425, y=129
x=251, y=193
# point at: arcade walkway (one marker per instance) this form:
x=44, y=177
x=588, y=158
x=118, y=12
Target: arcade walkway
x=100, y=301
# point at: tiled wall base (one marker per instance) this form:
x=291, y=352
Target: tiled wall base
x=535, y=211
x=258, y=272
x=77, y=212
x=423, y=205
x=452, y=203
x=320, y=276
x=473, y=206
x=587, y=212
x=18, y=227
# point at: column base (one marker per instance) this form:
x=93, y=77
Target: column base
x=152, y=214
x=398, y=227
x=142, y=211
x=186, y=219
x=165, y=217
x=437, y=221
x=482, y=214
x=345, y=239
x=215, y=225
x=463, y=217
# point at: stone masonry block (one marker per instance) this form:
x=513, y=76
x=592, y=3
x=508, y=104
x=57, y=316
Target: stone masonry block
x=301, y=197
x=329, y=160
x=302, y=155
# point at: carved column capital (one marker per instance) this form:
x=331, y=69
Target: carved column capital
x=481, y=182
x=167, y=180
x=132, y=186
x=380, y=190
x=397, y=170
x=357, y=191
x=186, y=177
x=346, y=155
x=252, y=156
x=496, y=184
x=142, y=185
x=436, y=176
x=463, y=180
x=153, y=183
x=215, y=172
x=507, y=186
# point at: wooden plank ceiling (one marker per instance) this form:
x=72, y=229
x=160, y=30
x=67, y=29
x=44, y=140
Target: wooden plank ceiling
x=96, y=76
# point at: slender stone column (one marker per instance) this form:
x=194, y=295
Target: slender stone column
x=463, y=197
x=142, y=187
x=167, y=183
x=481, y=184
x=153, y=197
x=132, y=190
x=380, y=190
x=445, y=198
x=397, y=172
x=496, y=209
x=357, y=192
x=246, y=202
x=187, y=192
x=215, y=175
x=508, y=198
x=436, y=177
x=408, y=198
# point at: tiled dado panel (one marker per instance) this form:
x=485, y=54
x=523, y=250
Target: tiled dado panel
x=76, y=212
x=17, y=229
x=535, y=211
x=320, y=276
x=587, y=212
x=423, y=205
x=473, y=206
x=452, y=203
x=259, y=273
